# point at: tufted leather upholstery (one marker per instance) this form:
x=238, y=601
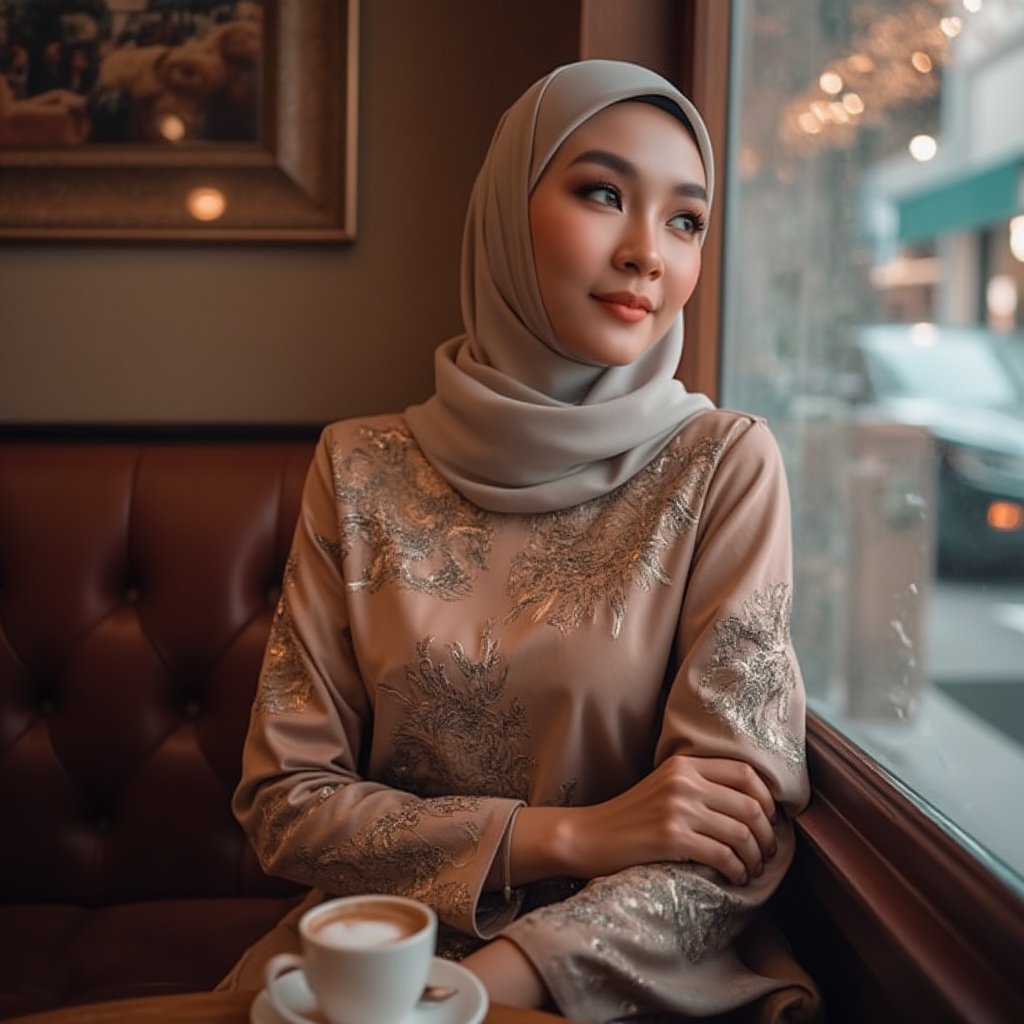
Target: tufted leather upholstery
x=137, y=582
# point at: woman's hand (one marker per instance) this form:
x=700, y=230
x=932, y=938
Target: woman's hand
x=715, y=811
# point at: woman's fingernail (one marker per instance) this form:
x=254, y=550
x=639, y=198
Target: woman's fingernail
x=744, y=878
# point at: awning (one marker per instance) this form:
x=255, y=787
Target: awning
x=969, y=201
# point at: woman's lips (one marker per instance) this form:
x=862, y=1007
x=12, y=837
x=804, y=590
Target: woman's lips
x=626, y=306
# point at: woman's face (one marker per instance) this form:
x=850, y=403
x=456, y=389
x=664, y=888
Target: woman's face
x=616, y=221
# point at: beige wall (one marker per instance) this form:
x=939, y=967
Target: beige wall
x=291, y=334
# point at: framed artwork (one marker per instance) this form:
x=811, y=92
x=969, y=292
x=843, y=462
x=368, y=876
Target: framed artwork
x=178, y=120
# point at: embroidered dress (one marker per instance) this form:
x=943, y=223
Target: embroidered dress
x=434, y=666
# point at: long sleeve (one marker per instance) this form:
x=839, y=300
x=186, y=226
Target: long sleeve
x=657, y=938
x=306, y=799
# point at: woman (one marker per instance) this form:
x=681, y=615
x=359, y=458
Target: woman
x=531, y=663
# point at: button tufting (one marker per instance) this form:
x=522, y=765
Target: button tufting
x=132, y=595
x=46, y=707
x=193, y=709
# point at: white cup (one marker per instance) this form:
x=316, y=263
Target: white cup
x=365, y=958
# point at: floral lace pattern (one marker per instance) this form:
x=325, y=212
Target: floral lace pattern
x=279, y=819
x=415, y=530
x=750, y=676
x=461, y=735
x=393, y=854
x=285, y=685
x=638, y=902
x=582, y=558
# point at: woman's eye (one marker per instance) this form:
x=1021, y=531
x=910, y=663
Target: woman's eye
x=691, y=223
x=606, y=195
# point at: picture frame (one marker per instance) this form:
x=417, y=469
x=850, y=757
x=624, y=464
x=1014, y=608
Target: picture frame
x=295, y=183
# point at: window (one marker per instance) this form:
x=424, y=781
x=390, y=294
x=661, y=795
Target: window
x=873, y=312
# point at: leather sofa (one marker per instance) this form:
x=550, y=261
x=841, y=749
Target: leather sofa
x=138, y=576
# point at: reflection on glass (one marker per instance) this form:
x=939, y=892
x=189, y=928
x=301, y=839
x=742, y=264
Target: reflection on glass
x=873, y=314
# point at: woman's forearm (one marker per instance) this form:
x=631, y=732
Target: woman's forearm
x=508, y=975
x=712, y=811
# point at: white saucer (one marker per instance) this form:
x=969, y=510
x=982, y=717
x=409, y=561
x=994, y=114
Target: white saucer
x=467, y=1006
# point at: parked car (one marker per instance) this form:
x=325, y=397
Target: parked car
x=966, y=387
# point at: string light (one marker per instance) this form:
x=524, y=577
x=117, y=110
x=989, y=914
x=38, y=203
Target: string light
x=923, y=148
x=1017, y=237
x=895, y=62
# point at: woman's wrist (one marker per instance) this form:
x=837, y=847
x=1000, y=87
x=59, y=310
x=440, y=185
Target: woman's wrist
x=542, y=844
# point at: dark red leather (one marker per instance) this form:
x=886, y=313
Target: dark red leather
x=137, y=583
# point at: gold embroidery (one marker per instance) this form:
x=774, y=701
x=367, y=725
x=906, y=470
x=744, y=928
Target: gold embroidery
x=331, y=548
x=455, y=945
x=418, y=532
x=750, y=676
x=459, y=738
x=285, y=685
x=567, y=793
x=278, y=819
x=649, y=906
x=591, y=554
x=291, y=570
x=394, y=854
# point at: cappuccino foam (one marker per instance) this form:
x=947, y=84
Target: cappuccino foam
x=368, y=923
x=354, y=932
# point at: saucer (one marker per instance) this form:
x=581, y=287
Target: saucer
x=467, y=1006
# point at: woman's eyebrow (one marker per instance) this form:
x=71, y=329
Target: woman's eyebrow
x=620, y=165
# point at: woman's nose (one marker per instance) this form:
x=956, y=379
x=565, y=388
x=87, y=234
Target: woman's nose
x=638, y=251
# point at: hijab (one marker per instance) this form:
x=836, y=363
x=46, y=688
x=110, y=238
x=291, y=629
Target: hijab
x=517, y=424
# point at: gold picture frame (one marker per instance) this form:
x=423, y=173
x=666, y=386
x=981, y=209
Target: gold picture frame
x=296, y=184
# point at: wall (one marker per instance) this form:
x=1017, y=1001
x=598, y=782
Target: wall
x=291, y=334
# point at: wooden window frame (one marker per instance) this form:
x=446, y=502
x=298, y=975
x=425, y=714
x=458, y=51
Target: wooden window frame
x=895, y=917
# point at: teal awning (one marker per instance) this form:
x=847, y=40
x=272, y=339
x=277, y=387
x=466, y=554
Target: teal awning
x=973, y=200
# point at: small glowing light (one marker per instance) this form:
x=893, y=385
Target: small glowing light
x=172, y=128
x=1017, y=237
x=809, y=124
x=206, y=203
x=831, y=83
x=861, y=63
x=853, y=103
x=921, y=61
x=1005, y=516
x=839, y=113
x=923, y=334
x=972, y=5
x=750, y=162
x=821, y=111
x=923, y=148
x=951, y=27
x=1001, y=296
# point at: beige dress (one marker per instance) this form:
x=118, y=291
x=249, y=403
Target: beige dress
x=434, y=666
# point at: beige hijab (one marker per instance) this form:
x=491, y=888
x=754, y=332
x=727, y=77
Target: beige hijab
x=516, y=424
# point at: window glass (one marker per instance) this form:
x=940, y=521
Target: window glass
x=874, y=313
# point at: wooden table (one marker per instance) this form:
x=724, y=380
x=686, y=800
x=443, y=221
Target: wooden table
x=213, y=1008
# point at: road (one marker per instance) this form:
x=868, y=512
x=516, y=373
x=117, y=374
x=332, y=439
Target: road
x=975, y=649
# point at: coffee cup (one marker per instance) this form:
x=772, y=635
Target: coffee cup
x=365, y=958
